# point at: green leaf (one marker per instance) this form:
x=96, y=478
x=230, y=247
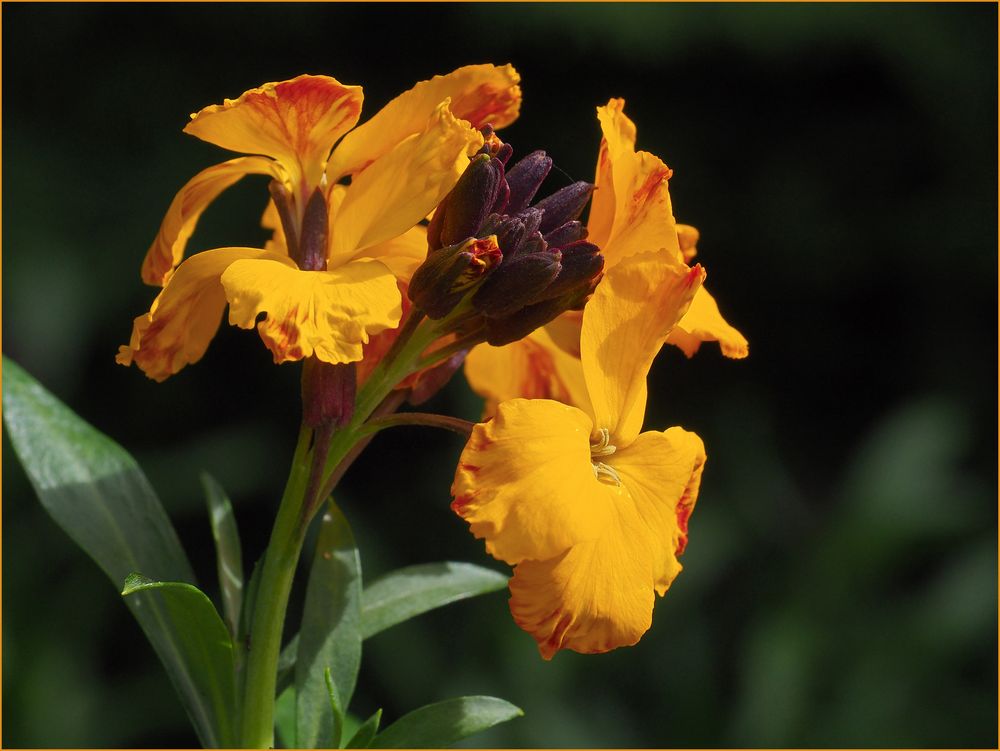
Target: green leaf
x=229, y=557
x=408, y=592
x=446, y=723
x=330, y=636
x=405, y=593
x=284, y=717
x=336, y=710
x=98, y=495
x=190, y=623
x=90, y=485
x=364, y=735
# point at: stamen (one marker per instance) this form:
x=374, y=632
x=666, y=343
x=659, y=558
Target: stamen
x=604, y=473
x=603, y=447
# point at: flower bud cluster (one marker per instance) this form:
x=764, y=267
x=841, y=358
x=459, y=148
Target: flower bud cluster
x=519, y=264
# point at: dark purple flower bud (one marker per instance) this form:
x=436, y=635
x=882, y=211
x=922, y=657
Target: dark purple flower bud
x=516, y=283
x=328, y=393
x=463, y=210
x=511, y=231
x=532, y=243
x=564, y=205
x=501, y=331
x=503, y=197
x=493, y=146
x=568, y=233
x=582, y=263
x=505, y=153
x=525, y=178
x=448, y=273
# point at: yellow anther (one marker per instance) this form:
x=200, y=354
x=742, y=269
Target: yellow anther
x=604, y=446
x=604, y=473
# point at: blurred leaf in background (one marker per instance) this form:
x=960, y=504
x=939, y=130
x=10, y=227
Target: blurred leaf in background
x=840, y=586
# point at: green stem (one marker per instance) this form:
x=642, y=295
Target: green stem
x=454, y=424
x=264, y=641
x=288, y=534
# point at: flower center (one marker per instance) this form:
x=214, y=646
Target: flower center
x=603, y=447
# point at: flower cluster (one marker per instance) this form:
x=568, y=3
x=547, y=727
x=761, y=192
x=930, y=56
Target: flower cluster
x=557, y=321
x=520, y=265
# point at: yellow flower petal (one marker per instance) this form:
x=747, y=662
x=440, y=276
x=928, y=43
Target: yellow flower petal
x=272, y=221
x=184, y=316
x=402, y=254
x=595, y=597
x=618, y=136
x=525, y=484
x=401, y=187
x=662, y=472
x=704, y=323
x=631, y=210
x=329, y=314
x=168, y=249
x=480, y=94
x=296, y=122
x=687, y=237
x=633, y=310
x=532, y=368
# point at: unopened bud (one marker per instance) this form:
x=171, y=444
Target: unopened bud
x=501, y=331
x=581, y=263
x=517, y=283
x=449, y=273
x=525, y=178
x=564, y=205
x=570, y=232
x=328, y=393
x=464, y=209
x=511, y=231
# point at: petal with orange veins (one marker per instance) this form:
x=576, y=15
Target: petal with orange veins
x=402, y=254
x=704, y=323
x=632, y=211
x=634, y=308
x=531, y=368
x=525, y=482
x=662, y=472
x=618, y=136
x=594, y=597
x=167, y=249
x=329, y=314
x=184, y=316
x=401, y=187
x=296, y=122
x=479, y=94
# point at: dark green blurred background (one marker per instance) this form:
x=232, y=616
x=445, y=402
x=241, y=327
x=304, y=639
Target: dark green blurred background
x=841, y=581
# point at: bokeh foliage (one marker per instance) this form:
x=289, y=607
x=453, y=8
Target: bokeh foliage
x=841, y=581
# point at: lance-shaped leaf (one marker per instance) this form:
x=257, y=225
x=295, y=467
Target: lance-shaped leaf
x=228, y=554
x=408, y=592
x=330, y=636
x=98, y=495
x=445, y=723
x=202, y=642
x=404, y=594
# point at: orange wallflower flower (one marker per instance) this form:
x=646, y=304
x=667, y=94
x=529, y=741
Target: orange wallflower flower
x=591, y=512
x=630, y=213
x=328, y=289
